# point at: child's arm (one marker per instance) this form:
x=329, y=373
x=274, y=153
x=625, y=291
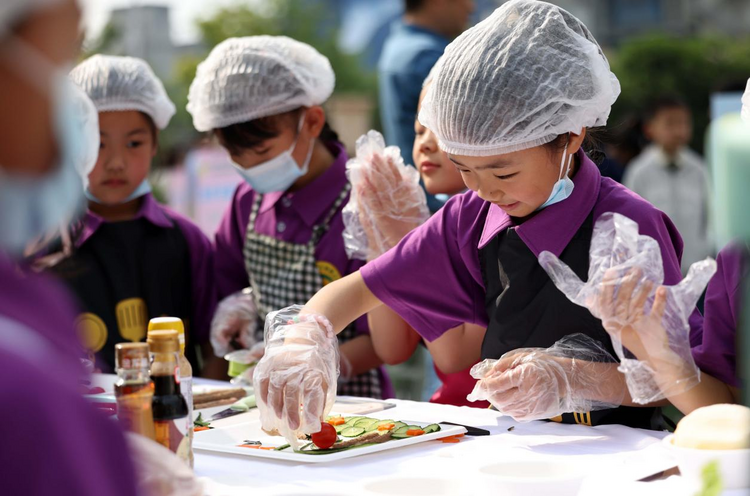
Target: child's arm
x=458, y=349
x=394, y=340
x=360, y=355
x=343, y=301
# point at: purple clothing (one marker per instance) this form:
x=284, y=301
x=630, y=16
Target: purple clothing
x=444, y=287
x=291, y=217
x=203, y=301
x=52, y=437
x=717, y=354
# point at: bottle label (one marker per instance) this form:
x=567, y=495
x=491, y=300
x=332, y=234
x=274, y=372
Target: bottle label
x=173, y=434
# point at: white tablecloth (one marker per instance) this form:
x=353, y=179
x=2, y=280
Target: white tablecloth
x=613, y=455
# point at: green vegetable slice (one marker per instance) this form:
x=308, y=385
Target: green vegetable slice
x=431, y=428
x=353, y=432
x=365, y=423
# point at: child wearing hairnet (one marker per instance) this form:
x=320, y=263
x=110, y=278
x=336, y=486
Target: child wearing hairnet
x=510, y=104
x=132, y=259
x=261, y=97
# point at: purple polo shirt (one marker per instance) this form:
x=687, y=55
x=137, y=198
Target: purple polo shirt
x=433, y=278
x=717, y=354
x=290, y=216
x=53, y=439
x=201, y=258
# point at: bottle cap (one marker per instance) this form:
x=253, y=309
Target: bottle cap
x=131, y=356
x=169, y=324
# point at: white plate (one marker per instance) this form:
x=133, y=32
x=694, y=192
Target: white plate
x=225, y=439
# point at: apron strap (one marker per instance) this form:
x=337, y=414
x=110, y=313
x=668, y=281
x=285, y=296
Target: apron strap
x=321, y=228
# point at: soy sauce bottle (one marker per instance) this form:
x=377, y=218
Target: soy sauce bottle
x=171, y=419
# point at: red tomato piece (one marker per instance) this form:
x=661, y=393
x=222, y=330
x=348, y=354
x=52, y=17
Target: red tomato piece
x=325, y=438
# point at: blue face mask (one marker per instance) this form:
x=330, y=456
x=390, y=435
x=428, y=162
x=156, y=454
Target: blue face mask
x=31, y=207
x=279, y=173
x=563, y=188
x=142, y=189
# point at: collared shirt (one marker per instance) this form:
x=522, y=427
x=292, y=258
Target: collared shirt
x=433, y=278
x=203, y=301
x=680, y=188
x=408, y=55
x=717, y=354
x=288, y=216
x=40, y=372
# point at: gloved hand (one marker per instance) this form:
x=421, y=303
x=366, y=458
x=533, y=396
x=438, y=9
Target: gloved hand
x=235, y=320
x=160, y=472
x=386, y=200
x=295, y=381
x=537, y=383
x=625, y=270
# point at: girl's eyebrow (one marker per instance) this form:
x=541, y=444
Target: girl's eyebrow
x=137, y=131
x=495, y=165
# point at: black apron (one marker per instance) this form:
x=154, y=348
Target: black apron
x=125, y=274
x=525, y=309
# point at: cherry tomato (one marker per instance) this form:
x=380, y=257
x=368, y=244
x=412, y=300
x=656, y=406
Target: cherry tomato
x=326, y=437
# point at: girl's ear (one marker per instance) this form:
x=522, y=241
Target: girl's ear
x=575, y=141
x=315, y=119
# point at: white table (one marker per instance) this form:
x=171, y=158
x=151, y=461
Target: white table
x=615, y=457
x=614, y=454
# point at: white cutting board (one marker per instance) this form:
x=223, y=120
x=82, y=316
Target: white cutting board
x=226, y=438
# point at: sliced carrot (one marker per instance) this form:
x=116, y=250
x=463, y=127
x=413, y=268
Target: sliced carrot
x=414, y=432
x=386, y=427
x=202, y=428
x=337, y=421
x=251, y=446
x=451, y=440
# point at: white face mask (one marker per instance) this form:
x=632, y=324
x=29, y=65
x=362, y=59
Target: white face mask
x=563, y=188
x=278, y=173
x=31, y=206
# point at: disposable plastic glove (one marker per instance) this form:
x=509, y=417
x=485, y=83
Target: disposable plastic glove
x=160, y=472
x=235, y=320
x=537, y=383
x=295, y=381
x=386, y=200
x=649, y=330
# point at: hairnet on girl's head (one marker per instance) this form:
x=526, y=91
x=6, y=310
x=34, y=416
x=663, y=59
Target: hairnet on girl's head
x=745, y=114
x=526, y=74
x=124, y=83
x=88, y=118
x=257, y=76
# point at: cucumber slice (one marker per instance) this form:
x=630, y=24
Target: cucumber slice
x=366, y=423
x=341, y=427
x=350, y=421
x=398, y=425
x=352, y=432
x=431, y=428
x=400, y=432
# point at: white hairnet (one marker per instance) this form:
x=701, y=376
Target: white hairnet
x=746, y=103
x=433, y=71
x=88, y=118
x=13, y=11
x=526, y=74
x=124, y=83
x=256, y=76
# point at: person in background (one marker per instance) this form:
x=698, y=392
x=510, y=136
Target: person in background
x=132, y=258
x=410, y=51
x=673, y=177
x=395, y=341
x=281, y=234
x=54, y=438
